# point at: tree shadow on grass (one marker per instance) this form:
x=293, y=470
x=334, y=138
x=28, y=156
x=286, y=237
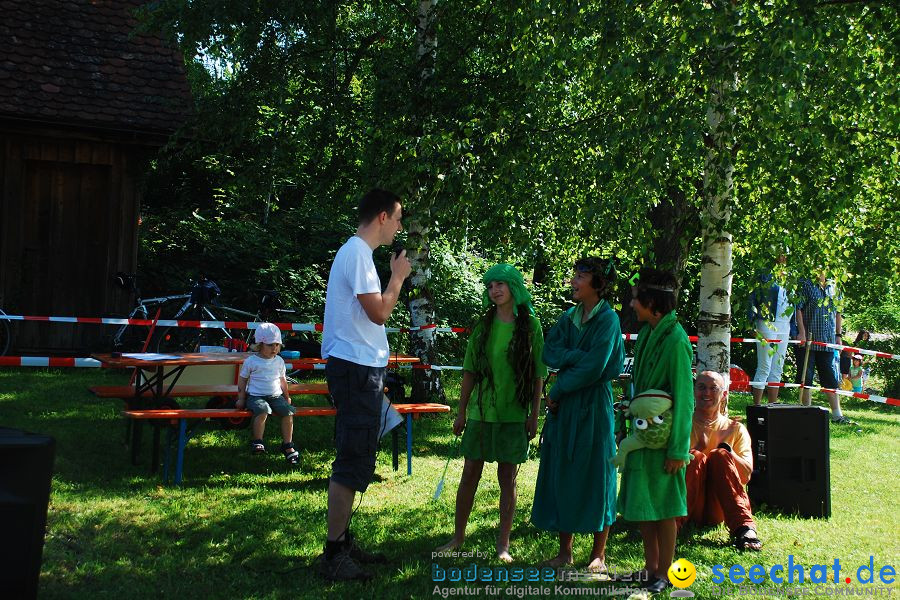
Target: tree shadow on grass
x=244, y=552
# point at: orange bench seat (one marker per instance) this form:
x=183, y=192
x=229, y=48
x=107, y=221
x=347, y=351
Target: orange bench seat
x=302, y=411
x=191, y=391
x=182, y=415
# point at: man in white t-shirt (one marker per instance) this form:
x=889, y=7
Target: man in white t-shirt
x=355, y=344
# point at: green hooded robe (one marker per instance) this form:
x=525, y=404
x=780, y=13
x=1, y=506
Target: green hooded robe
x=662, y=361
x=576, y=484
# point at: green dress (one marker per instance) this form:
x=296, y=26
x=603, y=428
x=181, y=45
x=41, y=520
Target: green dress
x=576, y=484
x=662, y=361
x=495, y=420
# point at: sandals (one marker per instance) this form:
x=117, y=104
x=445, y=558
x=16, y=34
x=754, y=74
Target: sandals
x=290, y=453
x=744, y=541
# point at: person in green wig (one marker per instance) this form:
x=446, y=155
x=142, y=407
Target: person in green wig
x=653, y=490
x=500, y=397
x=575, y=490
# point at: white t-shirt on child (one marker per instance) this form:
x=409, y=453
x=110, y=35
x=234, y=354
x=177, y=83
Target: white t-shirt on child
x=348, y=332
x=264, y=374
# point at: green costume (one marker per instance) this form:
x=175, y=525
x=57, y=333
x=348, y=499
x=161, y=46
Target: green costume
x=497, y=403
x=662, y=361
x=576, y=484
x=495, y=420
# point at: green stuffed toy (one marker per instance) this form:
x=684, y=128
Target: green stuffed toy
x=652, y=412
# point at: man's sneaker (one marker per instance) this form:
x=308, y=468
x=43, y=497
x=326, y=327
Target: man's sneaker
x=362, y=556
x=342, y=568
x=842, y=420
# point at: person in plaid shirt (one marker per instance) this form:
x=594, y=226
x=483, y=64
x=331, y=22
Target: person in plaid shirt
x=818, y=318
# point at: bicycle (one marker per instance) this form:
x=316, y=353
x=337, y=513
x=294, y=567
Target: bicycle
x=130, y=337
x=200, y=306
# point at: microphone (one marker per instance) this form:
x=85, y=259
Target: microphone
x=397, y=248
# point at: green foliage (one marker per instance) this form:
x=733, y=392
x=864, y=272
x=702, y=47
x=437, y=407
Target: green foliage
x=178, y=246
x=885, y=368
x=457, y=292
x=542, y=134
x=883, y=318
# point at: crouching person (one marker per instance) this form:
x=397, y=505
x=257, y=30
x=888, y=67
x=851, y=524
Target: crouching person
x=721, y=465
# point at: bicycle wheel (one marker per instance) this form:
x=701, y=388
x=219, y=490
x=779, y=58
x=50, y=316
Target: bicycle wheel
x=5, y=336
x=131, y=339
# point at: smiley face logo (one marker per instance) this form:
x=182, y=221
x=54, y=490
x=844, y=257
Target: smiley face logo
x=682, y=573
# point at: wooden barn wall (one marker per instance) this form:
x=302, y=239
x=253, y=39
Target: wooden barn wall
x=68, y=221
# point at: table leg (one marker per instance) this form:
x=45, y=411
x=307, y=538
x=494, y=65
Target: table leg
x=136, y=431
x=167, y=459
x=154, y=461
x=182, y=441
x=409, y=421
x=395, y=448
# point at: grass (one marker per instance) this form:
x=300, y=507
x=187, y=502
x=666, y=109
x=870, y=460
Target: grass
x=248, y=527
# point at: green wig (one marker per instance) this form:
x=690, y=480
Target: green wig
x=509, y=275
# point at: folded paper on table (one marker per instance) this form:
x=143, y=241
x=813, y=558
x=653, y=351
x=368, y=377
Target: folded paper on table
x=213, y=349
x=150, y=356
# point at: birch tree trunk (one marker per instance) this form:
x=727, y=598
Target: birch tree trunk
x=714, y=320
x=426, y=384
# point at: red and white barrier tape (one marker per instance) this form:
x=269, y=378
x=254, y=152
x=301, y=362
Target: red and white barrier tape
x=861, y=395
x=51, y=361
x=46, y=361
x=318, y=327
x=737, y=340
x=210, y=324
x=855, y=350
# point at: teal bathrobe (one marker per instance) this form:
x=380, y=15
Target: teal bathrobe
x=662, y=361
x=576, y=484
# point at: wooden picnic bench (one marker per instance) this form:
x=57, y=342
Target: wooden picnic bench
x=127, y=392
x=180, y=417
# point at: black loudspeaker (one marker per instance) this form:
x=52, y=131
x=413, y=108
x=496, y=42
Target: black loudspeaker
x=26, y=466
x=791, y=463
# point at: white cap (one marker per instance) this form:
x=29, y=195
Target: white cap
x=267, y=333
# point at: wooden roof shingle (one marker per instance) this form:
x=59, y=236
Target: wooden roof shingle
x=80, y=62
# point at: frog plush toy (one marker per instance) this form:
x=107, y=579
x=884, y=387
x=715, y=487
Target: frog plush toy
x=652, y=412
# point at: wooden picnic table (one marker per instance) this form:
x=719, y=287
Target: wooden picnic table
x=158, y=374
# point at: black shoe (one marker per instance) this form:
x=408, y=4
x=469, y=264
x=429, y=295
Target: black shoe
x=342, y=568
x=360, y=555
x=656, y=585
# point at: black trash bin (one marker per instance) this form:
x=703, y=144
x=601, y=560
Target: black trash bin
x=26, y=466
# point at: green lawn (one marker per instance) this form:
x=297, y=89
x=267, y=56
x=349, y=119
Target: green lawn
x=249, y=527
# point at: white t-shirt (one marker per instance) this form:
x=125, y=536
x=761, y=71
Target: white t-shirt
x=348, y=333
x=264, y=374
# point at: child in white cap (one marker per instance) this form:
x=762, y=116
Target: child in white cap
x=262, y=385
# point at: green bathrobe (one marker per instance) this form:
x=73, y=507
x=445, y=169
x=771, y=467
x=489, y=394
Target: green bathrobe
x=662, y=361
x=576, y=484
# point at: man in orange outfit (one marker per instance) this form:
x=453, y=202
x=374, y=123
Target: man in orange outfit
x=721, y=465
